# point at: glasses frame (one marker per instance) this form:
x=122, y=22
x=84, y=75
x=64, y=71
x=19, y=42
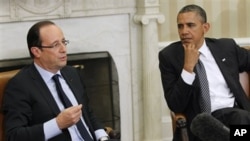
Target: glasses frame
x=64, y=42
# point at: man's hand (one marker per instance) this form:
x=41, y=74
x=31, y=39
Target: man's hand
x=191, y=56
x=69, y=116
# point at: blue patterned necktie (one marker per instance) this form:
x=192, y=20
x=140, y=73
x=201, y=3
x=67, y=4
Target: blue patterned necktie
x=66, y=102
x=205, y=102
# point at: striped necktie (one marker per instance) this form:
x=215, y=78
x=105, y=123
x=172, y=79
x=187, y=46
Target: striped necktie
x=205, y=102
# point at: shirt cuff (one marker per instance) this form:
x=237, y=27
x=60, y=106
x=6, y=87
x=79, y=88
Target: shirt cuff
x=51, y=129
x=188, y=77
x=100, y=133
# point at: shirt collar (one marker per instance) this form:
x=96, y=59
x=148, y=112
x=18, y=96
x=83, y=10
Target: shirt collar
x=46, y=75
x=204, y=50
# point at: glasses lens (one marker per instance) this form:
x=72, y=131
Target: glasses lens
x=65, y=42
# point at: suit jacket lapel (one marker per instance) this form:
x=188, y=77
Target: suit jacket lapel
x=221, y=59
x=72, y=83
x=44, y=90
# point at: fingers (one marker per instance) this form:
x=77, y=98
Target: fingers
x=75, y=108
x=191, y=57
x=189, y=46
x=69, y=116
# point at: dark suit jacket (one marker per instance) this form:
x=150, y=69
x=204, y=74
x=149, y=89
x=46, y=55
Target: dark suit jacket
x=28, y=103
x=183, y=98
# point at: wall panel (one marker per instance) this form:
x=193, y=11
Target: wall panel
x=228, y=18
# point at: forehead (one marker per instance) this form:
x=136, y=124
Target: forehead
x=188, y=17
x=50, y=32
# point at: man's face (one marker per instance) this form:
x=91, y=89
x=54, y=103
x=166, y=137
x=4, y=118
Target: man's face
x=191, y=29
x=51, y=59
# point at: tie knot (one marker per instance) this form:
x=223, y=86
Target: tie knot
x=56, y=77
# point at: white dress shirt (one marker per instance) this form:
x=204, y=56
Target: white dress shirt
x=220, y=94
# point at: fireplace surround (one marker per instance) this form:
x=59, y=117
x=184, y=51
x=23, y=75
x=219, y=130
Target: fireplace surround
x=91, y=36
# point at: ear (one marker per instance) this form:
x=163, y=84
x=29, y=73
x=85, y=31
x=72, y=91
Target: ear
x=206, y=27
x=36, y=51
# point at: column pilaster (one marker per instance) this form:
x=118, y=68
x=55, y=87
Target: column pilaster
x=149, y=17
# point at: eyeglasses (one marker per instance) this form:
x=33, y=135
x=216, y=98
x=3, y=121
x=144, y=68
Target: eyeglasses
x=57, y=44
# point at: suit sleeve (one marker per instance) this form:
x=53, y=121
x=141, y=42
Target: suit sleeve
x=179, y=95
x=18, y=114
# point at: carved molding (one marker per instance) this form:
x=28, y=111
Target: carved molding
x=144, y=19
x=148, y=10
x=147, y=3
x=38, y=6
x=152, y=2
x=25, y=10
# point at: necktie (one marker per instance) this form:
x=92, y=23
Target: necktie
x=66, y=102
x=205, y=96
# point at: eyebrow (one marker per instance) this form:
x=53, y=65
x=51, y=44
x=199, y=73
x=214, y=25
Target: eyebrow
x=58, y=41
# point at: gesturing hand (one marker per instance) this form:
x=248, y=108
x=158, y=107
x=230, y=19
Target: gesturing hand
x=191, y=56
x=69, y=116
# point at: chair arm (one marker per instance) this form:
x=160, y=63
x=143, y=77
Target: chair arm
x=180, y=122
x=113, y=134
x=176, y=117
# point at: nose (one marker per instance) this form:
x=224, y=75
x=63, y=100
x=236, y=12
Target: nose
x=184, y=30
x=64, y=43
x=63, y=47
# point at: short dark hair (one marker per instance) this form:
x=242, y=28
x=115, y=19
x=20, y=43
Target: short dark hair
x=195, y=8
x=33, y=36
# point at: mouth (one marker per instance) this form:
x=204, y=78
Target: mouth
x=186, y=40
x=64, y=58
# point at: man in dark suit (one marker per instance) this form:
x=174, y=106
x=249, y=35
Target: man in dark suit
x=223, y=60
x=32, y=105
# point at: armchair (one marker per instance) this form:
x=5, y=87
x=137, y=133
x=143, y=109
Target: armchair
x=4, y=78
x=179, y=120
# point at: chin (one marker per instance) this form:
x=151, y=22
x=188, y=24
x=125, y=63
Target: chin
x=63, y=65
x=185, y=43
